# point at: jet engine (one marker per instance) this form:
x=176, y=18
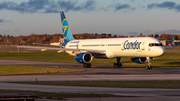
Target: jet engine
x=139, y=60
x=84, y=57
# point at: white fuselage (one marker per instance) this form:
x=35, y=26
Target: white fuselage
x=120, y=47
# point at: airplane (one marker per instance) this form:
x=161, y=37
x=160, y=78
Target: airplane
x=51, y=44
x=57, y=44
x=7, y=40
x=140, y=49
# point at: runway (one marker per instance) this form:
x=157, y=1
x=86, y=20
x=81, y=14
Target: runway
x=97, y=72
x=56, y=77
x=98, y=90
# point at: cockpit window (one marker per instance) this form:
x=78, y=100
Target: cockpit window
x=155, y=44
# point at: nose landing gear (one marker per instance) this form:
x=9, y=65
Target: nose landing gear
x=149, y=63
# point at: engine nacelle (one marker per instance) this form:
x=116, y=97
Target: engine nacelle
x=84, y=57
x=139, y=60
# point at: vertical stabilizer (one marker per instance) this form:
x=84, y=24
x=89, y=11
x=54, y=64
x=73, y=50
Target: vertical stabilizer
x=7, y=40
x=65, y=28
x=173, y=41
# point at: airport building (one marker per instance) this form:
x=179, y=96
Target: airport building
x=169, y=42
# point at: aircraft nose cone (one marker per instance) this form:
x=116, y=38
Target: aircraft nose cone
x=160, y=51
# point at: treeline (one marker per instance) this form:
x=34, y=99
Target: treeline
x=46, y=39
x=33, y=38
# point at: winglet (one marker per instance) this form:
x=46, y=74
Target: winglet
x=65, y=28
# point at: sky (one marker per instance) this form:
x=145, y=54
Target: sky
x=120, y=17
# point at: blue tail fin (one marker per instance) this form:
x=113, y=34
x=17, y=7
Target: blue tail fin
x=7, y=40
x=173, y=41
x=65, y=28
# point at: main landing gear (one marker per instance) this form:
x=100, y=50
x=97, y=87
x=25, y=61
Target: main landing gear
x=118, y=64
x=87, y=65
x=149, y=63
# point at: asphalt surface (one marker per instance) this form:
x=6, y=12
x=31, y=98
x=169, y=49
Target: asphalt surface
x=66, y=77
x=118, y=99
x=97, y=90
x=96, y=69
x=97, y=72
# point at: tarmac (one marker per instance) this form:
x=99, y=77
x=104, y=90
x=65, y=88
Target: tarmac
x=99, y=73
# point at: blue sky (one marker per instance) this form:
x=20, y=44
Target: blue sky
x=120, y=17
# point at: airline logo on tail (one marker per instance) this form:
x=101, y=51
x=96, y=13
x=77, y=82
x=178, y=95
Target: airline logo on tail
x=65, y=28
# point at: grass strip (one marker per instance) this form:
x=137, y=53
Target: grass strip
x=63, y=95
x=169, y=59
x=170, y=84
x=22, y=70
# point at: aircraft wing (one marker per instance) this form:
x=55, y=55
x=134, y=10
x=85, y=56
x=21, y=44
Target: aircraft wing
x=168, y=47
x=65, y=49
x=59, y=45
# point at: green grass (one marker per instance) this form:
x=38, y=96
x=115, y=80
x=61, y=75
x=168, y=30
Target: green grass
x=172, y=84
x=169, y=59
x=50, y=56
x=63, y=95
x=15, y=69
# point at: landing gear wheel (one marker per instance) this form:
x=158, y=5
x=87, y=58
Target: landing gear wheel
x=115, y=65
x=148, y=67
x=87, y=65
x=118, y=64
